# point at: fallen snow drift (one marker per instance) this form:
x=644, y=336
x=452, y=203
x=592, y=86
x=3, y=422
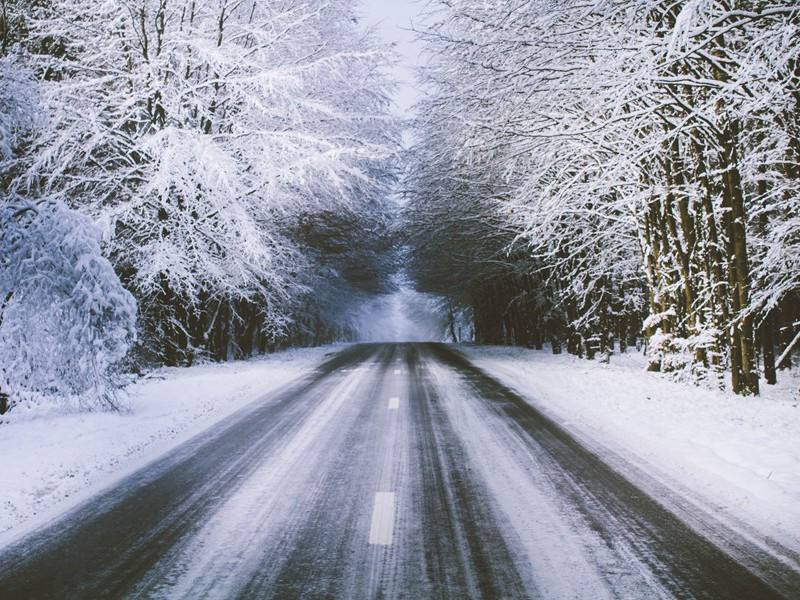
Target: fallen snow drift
x=52, y=460
x=738, y=456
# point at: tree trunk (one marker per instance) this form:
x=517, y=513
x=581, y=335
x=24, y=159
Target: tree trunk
x=743, y=324
x=768, y=348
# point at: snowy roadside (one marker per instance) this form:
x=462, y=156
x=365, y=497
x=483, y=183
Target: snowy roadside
x=739, y=457
x=53, y=461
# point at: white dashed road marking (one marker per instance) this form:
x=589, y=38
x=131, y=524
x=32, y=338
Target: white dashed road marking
x=394, y=403
x=382, y=527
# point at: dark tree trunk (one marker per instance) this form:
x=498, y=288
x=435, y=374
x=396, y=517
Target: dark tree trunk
x=768, y=348
x=743, y=326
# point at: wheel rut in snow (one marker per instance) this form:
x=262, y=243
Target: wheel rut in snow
x=465, y=553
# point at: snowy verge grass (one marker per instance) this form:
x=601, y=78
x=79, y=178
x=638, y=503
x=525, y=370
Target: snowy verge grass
x=739, y=456
x=54, y=459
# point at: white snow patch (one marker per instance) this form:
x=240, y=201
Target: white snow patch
x=52, y=460
x=738, y=456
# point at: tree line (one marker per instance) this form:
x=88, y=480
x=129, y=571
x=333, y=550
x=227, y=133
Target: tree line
x=603, y=174
x=185, y=180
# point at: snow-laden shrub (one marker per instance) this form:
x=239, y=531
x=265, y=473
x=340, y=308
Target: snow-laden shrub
x=65, y=318
x=685, y=358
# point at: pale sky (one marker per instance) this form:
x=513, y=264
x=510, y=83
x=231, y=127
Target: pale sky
x=394, y=18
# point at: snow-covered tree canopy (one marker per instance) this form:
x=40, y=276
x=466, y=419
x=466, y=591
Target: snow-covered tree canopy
x=200, y=134
x=635, y=156
x=65, y=319
x=208, y=141
x=586, y=172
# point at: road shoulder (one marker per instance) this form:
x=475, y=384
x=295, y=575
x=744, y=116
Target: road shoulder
x=54, y=461
x=736, y=459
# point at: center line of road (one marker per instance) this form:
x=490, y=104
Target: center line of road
x=382, y=527
x=394, y=403
x=397, y=371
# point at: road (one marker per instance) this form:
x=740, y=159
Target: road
x=392, y=471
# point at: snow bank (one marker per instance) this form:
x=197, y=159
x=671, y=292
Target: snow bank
x=53, y=460
x=739, y=457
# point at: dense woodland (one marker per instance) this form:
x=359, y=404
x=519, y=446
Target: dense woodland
x=598, y=174
x=184, y=180
x=189, y=180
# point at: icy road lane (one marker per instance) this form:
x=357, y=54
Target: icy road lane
x=392, y=471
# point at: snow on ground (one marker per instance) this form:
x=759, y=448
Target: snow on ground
x=738, y=456
x=53, y=460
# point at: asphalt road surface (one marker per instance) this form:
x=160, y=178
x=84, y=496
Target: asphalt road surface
x=392, y=471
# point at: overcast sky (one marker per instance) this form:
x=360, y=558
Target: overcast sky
x=394, y=18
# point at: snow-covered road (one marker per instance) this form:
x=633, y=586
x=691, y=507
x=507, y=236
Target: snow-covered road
x=393, y=470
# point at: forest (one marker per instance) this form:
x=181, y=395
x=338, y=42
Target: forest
x=597, y=175
x=185, y=180
x=207, y=180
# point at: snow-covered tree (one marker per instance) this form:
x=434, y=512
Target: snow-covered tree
x=644, y=154
x=201, y=136
x=65, y=319
x=66, y=322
